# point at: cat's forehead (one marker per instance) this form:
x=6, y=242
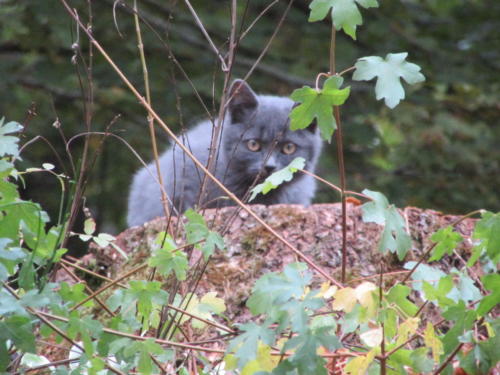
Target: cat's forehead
x=270, y=121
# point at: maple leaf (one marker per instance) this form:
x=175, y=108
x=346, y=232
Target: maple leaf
x=318, y=104
x=389, y=73
x=9, y=144
x=345, y=13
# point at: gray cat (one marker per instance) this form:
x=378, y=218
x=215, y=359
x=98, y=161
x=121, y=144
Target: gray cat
x=255, y=141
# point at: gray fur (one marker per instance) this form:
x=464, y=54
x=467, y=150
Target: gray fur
x=260, y=117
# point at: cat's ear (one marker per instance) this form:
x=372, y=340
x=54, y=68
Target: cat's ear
x=243, y=100
x=314, y=123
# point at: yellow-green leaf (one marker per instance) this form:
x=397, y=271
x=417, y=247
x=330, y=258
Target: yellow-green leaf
x=345, y=299
x=433, y=342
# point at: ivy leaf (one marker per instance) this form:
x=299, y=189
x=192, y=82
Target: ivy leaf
x=345, y=13
x=8, y=143
x=394, y=237
x=447, y=240
x=277, y=178
x=388, y=73
x=319, y=105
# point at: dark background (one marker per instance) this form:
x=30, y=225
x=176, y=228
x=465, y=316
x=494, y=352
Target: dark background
x=438, y=149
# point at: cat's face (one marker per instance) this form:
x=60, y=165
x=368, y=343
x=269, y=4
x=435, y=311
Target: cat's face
x=257, y=140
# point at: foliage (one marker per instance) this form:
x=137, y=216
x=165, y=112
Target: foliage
x=345, y=13
x=278, y=178
x=388, y=72
x=28, y=251
x=452, y=116
x=317, y=104
x=299, y=325
x=394, y=237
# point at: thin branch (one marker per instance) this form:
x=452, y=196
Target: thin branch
x=205, y=33
x=150, y=119
x=271, y=39
x=190, y=155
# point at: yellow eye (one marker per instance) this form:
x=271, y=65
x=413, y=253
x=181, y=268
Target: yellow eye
x=289, y=148
x=253, y=145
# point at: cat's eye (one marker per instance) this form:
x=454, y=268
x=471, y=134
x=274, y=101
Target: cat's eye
x=253, y=145
x=289, y=148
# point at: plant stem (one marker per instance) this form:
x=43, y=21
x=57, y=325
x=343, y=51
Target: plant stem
x=200, y=165
x=340, y=160
x=140, y=46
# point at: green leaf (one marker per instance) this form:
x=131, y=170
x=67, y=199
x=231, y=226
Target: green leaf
x=424, y=272
x=10, y=257
x=274, y=289
x=204, y=308
x=319, y=105
x=447, y=240
x=167, y=258
x=277, y=178
x=487, y=230
x=103, y=239
x=246, y=344
x=388, y=73
x=305, y=358
x=398, y=295
x=212, y=241
x=433, y=342
x=149, y=297
x=74, y=294
x=19, y=330
x=87, y=328
x=89, y=226
x=345, y=13
x=145, y=350
x=394, y=237
x=9, y=144
x=492, y=283
x=464, y=321
x=196, y=227
x=420, y=361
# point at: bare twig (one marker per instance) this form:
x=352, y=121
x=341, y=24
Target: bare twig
x=205, y=33
x=150, y=119
x=190, y=155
